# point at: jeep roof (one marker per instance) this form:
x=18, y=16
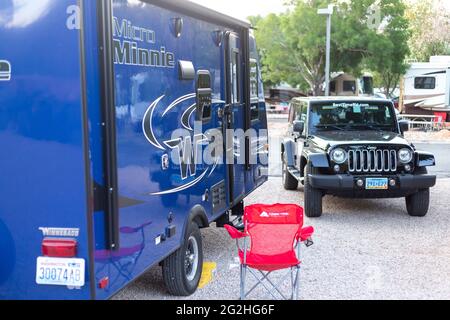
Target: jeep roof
x=340, y=98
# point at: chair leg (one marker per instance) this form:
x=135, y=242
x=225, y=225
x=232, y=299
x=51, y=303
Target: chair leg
x=292, y=284
x=243, y=275
x=296, y=283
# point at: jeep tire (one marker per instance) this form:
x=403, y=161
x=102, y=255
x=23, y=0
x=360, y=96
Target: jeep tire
x=289, y=181
x=418, y=203
x=183, y=269
x=313, y=197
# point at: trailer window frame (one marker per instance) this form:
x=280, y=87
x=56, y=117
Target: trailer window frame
x=420, y=83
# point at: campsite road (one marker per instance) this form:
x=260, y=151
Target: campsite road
x=364, y=249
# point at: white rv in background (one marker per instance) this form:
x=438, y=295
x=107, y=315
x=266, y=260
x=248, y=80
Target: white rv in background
x=344, y=84
x=426, y=87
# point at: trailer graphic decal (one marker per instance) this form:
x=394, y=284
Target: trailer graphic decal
x=185, y=118
x=185, y=148
x=183, y=187
x=5, y=70
x=178, y=101
x=147, y=124
x=127, y=50
x=187, y=151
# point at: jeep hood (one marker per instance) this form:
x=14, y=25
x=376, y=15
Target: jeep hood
x=327, y=139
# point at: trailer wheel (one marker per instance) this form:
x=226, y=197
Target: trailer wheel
x=183, y=269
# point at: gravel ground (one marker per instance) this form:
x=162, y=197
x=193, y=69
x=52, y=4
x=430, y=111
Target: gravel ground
x=364, y=249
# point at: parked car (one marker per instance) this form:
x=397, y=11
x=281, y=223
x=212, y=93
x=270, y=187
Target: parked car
x=353, y=147
x=279, y=99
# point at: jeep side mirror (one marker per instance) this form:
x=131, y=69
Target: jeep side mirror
x=404, y=125
x=299, y=127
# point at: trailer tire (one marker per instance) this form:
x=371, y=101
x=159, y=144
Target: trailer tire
x=183, y=269
x=313, y=197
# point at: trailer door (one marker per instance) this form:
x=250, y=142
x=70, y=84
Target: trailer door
x=235, y=117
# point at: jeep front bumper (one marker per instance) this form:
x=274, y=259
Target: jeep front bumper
x=340, y=182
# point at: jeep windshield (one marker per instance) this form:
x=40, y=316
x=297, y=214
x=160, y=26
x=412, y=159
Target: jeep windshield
x=340, y=116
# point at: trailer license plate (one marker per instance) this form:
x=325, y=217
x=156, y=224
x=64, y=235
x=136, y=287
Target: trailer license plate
x=60, y=271
x=377, y=184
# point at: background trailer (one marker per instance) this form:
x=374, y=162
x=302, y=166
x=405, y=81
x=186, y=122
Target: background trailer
x=91, y=93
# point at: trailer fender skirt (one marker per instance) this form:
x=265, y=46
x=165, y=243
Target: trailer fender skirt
x=197, y=214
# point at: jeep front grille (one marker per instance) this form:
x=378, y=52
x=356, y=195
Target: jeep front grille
x=373, y=161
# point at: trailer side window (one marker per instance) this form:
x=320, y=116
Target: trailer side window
x=350, y=86
x=254, y=89
x=235, y=94
x=427, y=83
x=253, y=79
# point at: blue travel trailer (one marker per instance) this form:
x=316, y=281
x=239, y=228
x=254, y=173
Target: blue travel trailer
x=96, y=187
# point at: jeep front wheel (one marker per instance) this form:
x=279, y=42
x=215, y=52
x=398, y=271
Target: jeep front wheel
x=418, y=203
x=313, y=197
x=289, y=181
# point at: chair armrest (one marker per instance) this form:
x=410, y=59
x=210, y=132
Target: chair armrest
x=234, y=233
x=305, y=234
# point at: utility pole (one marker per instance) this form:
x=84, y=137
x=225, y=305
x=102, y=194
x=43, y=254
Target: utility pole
x=328, y=12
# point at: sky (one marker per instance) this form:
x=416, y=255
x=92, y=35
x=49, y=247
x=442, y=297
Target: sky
x=242, y=9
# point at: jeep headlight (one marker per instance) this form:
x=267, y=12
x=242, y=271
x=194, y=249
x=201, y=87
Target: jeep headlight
x=338, y=155
x=405, y=155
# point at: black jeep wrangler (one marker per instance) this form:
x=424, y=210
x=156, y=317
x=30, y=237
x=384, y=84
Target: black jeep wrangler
x=353, y=147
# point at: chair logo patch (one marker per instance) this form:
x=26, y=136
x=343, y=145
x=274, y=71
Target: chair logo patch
x=274, y=214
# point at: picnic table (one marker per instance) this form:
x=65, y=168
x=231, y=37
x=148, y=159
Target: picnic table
x=425, y=122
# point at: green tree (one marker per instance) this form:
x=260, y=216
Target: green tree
x=292, y=45
x=388, y=46
x=430, y=29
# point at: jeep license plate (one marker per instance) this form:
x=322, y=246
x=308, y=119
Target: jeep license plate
x=377, y=184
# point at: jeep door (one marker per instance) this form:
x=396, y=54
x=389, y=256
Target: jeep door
x=298, y=112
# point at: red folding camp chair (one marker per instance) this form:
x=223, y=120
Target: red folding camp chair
x=276, y=233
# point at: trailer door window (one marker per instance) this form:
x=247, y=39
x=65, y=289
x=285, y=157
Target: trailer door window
x=235, y=71
x=427, y=83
